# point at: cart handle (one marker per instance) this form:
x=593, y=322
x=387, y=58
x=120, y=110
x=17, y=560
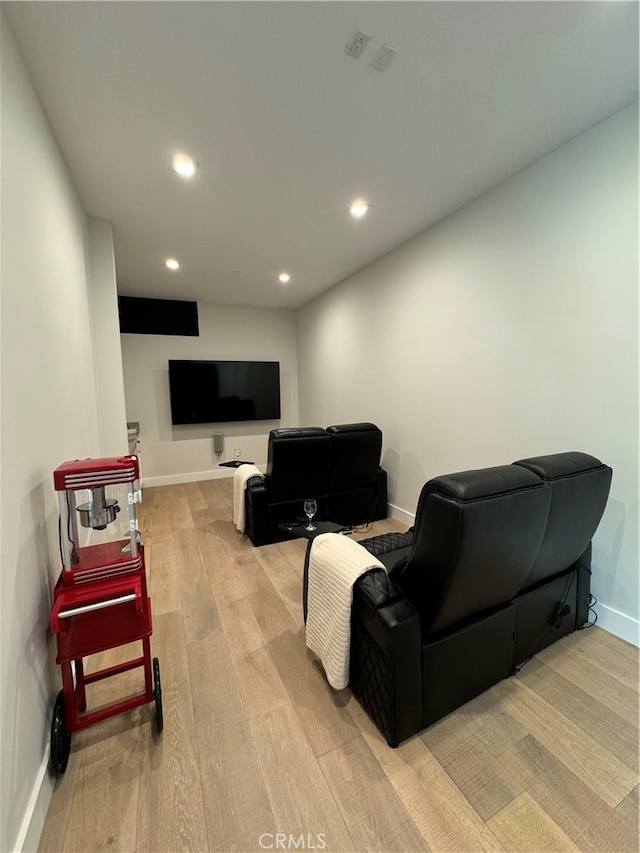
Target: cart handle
x=93, y=596
x=99, y=605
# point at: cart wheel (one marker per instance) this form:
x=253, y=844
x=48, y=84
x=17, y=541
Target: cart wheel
x=60, y=746
x=157, y=694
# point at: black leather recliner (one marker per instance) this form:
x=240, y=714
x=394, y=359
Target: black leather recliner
x=357, y=486
x=497, y=567
x=339, y=467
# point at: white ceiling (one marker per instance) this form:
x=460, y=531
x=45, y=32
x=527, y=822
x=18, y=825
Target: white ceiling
x=288, y=129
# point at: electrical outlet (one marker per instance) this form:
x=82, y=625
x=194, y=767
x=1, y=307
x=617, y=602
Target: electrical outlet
x=237, y=453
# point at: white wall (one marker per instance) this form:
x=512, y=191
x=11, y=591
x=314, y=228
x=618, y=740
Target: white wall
x=48, y=414
x=227, y=332
x=508, y=330
x=103, y=298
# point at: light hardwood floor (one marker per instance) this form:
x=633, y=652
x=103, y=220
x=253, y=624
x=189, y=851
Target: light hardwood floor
x=255, y=743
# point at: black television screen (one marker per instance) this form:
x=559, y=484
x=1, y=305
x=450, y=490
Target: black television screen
x=203, y=392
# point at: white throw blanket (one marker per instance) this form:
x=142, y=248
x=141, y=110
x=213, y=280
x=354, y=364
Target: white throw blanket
x=240, y=478
x=335, y=563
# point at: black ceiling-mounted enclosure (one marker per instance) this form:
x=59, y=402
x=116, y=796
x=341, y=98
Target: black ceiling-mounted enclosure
x=140, y=316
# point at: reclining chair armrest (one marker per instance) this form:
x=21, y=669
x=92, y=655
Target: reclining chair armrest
x=386, y=656
x=256, y=485
x=374, y=586
x=256, y=507
x=376, y=589
x=387, y=542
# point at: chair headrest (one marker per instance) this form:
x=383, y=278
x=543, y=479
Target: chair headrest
x=556, y=465
x=579, y=486
x=476, y=537
x=481, y=483
x=293, y=433
x=298, y=462
x=355, y=455
x=346, y=428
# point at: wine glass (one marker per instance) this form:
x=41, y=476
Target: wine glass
x=310, y=509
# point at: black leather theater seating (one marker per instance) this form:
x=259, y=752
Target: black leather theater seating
x=497, y=568
x=338, y=466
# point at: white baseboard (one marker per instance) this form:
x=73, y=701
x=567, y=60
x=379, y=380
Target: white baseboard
x=33, y=821
x=192, y=477
x=402, y=515
x=617, y=623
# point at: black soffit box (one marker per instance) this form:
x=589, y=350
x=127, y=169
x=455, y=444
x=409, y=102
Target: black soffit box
x=141, y=316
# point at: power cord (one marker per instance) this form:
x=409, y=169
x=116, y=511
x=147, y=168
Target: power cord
x=562, y=610
x=592, y=603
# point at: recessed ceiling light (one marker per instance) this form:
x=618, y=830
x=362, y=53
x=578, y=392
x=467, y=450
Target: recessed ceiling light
x=284, y=277
x=358, y=208
x=172, y=264
x=184, y=166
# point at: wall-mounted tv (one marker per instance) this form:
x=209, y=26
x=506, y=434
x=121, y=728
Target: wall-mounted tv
x=204, y=392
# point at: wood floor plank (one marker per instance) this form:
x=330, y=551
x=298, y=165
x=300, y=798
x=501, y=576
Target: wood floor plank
x=482, y=717
x=180, y=512
x=301, y=800
x=629, y=808
x=221, y=488
x=195, y=497
x=493, y=725
x=163, y=579
x=523, y=826
x=170, y=800
x=268, y=608
x=599, y=684
x=596, y=637
x=258, y=680
x=612, y=659
x=441, y=813
x=259, y=683
x=236, y=804
x=59, y=815
x=112, y=781
x=218, y=558
x=294, y=552
x=596, y=766
x=485, y=782
x=199, y=611
x=374, y=814
x=225, y=530
x=568, y=801
x=321, y=709
x=240, y=627
x=282, y=564
x=286, y=579
x=605, y=726
x=218, y=495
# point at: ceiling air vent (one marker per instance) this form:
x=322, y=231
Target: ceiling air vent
x=357, y=44
x=384, y=57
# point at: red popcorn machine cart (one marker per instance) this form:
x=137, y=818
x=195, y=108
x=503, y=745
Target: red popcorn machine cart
x=100, y=599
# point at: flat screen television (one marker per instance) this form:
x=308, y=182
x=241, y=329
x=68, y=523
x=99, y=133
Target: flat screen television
x=203, y=392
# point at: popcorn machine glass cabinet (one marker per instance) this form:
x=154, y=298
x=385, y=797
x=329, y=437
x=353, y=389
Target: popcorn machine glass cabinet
x=99, y=534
